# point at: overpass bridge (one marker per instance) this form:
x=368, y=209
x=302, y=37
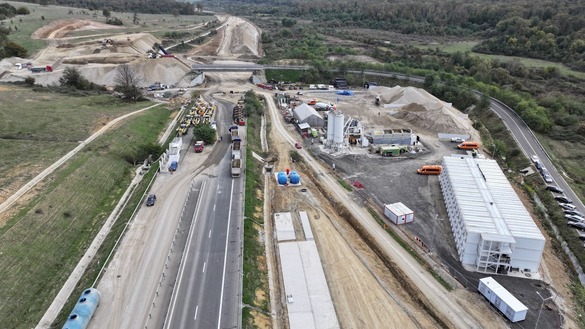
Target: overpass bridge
x=244, y=67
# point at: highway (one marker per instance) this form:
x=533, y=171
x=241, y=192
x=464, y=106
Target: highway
x=207, y=290
x=207, y=293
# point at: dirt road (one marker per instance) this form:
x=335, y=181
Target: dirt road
x=436, y=298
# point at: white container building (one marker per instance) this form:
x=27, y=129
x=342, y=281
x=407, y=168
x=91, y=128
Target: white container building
x=493, y=231
x=398, y=213
x=502, y=299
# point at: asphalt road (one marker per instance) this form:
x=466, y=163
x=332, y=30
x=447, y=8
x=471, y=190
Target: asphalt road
x=207, y=293
x=207, y=290
x=530, y=146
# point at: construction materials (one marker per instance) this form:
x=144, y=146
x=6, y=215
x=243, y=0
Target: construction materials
x=502, y=299
x=236, y=167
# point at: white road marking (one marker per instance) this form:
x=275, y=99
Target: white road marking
x=204, y=265
x=214, y=207
x=196, y=310
x=225, y=256
x=186, y=256
x=209, y=235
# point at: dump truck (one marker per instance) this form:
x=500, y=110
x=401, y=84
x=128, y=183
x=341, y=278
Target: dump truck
x=199, y=146
x=235, y=134
x=236, y=167
x=236, y=145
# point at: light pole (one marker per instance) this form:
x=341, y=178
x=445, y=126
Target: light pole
x=540, y=310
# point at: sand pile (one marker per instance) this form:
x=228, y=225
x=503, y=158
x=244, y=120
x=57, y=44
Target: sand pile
x=422, y=110
x=240, y=38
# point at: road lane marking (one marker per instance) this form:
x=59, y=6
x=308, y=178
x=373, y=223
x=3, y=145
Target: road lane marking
x=169, y=317
x=209, y=235
x=204, y=265
x=214, y=207
x=196, y=311
x=227, y=236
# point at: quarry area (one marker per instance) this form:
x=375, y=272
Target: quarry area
x=367, y=290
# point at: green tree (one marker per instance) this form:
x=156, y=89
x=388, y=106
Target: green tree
x=136, y=19
x=72, y=78
x=22, y=11
x=12, y=49
x=106, y=12
x=205, y=133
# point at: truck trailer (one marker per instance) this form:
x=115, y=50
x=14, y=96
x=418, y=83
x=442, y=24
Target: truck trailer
x=236, y=146
x=236, y=167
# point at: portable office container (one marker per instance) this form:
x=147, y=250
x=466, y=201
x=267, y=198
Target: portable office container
x=502, y=299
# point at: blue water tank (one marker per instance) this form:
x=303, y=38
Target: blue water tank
x=83, y=310
x=294, y=178
x=281, y=177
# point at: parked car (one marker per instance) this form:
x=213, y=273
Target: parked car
x=554, y=189
x=150, y=200
x=547, y=178
x=538, y=164
x=298, y=145
x=574, y=212
x=563, y=199
x=577, y=225
x=567, y=206
x=457, y=140
x=575, y=218
x=534, y=158
x=173, y=166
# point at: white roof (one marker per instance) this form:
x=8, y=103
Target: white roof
x=304, y=111
x=398, y=209
x=486, y=200
x=304, y=125
x=283, y=224
x=504, y=294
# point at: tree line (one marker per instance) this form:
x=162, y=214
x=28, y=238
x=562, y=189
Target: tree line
x=138, y=6
x=9, y=48
x=550, y=30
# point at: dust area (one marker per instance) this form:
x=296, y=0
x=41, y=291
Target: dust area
x=239, y=38
x=61, y=28
x=355, y=58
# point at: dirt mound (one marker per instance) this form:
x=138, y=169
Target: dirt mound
x=60, y=28
x=422, y=110
x=239, y=37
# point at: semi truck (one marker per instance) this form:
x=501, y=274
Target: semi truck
x=37, y=69
x=236, y=167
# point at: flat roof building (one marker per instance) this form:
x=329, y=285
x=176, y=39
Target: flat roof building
x=493, y=231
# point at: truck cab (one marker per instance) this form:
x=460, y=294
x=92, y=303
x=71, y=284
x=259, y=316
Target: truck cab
x=199, y=146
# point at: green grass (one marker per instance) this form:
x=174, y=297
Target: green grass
x=23, y=26
x=344, y=184
x=43, y=242
x=42, y=127
x=255, y=277
x=528, y=62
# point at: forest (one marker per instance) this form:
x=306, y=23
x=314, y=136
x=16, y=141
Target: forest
x=550, y=30
x=134, y=6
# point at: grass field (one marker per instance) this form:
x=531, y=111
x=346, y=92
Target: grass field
x=23, y=26
x=528, y=62
x=42, y=127
x=44, y=241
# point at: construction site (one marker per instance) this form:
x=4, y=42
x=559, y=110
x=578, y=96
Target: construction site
x=373, y=140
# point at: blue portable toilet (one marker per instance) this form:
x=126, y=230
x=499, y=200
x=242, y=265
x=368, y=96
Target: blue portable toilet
x=294, y=178
x=281, y=177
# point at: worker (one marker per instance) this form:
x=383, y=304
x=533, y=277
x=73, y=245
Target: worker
x=333, y=165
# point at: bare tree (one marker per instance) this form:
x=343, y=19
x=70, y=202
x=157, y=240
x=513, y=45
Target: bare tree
x=127, y=83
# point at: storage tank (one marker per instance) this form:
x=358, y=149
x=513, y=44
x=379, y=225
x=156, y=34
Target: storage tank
x=330, y=125
x=294, y=178
x=281, y=177
x=338, y=128
x=83, y=310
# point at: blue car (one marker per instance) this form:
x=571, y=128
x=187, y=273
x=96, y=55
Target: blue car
x=150, y=200
x=173, y=166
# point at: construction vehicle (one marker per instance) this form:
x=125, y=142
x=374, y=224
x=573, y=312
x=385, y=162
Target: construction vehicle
x=236, y=146
x=234, y=133
x=38, y=69
x=236, y=167
x=199, y=146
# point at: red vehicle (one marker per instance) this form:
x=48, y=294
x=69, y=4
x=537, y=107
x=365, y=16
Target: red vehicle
x=298, y=145
x=242, y=122
x=198, y=146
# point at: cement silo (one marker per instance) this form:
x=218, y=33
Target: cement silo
x=338, y=129
x=330, y=126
